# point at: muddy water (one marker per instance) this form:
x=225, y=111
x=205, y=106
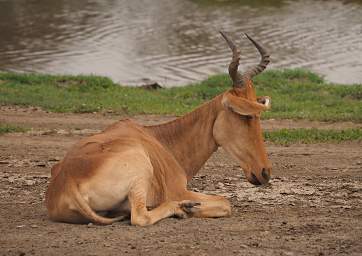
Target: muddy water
x=177, y=42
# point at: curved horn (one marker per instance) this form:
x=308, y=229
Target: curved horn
x=234, y=64
x=265, y=59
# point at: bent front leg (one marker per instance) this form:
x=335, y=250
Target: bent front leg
x=142, y=217
x=211, y=206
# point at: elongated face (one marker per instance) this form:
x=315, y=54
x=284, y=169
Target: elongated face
x=237, y=129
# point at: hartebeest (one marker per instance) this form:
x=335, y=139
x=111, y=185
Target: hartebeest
x=143, y=170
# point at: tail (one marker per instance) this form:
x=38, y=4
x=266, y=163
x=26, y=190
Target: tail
x=88, y=213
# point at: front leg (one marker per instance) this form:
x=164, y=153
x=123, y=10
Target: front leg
x=211, y=206
x=141, y=216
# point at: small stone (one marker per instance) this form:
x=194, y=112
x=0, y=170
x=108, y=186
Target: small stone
x=255, y=244
x=34, y=226
x=220, y=185
x=346, y=207
x=46, y=176
x=54, y=159
x=30, y=182
x=289, y=253
x=90, y=225
x=62, y=132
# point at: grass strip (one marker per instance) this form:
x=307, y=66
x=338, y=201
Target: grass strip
x=7, y=128
x=312, y=136
x=296, y=94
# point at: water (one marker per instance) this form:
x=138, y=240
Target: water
x=177, y=42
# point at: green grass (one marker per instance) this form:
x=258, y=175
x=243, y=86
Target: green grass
x=310, y=136
x=7, y=128
x=296, y=94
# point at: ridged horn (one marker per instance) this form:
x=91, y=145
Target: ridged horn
x=234, y=64
x=265, y=59
x=239, y=80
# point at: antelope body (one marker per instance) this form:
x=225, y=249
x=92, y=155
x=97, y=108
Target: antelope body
x=142, y=171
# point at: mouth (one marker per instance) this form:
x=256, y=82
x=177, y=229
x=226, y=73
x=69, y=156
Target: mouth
x=258, y=180
x=254, y=180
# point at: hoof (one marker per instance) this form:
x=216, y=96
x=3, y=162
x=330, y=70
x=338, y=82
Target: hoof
x=189, y=206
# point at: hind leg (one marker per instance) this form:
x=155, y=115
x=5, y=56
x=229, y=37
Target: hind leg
x=140, y=216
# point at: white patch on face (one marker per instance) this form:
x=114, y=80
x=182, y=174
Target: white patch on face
x=267, y=102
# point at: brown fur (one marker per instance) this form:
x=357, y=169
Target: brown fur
x=176, y=151
x=130, y=169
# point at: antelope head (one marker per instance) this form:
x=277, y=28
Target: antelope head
x=237, y=127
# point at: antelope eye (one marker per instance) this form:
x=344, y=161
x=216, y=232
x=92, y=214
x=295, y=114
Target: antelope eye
x=243, y=117
x=262, y=101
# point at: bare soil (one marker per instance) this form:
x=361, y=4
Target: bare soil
x=313, y=205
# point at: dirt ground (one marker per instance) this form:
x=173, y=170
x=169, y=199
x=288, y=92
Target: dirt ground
x=313, y=205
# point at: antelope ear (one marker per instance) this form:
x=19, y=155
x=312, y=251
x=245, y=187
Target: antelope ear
x=265, y=100
x=242, y=106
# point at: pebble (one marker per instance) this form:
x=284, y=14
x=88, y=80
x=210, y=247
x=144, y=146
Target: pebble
x=255, y=244
x=289, y=253
x=30, y=182
x=220, y=185
x=54, y=159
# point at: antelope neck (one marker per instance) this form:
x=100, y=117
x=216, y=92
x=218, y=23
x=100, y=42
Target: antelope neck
x=190, y=137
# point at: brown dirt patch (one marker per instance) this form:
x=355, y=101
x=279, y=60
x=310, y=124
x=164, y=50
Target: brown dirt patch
x=34, y=117
x=312, y=207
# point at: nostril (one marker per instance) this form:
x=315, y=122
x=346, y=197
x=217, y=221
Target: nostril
x=254, y=180
x=265, y=174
